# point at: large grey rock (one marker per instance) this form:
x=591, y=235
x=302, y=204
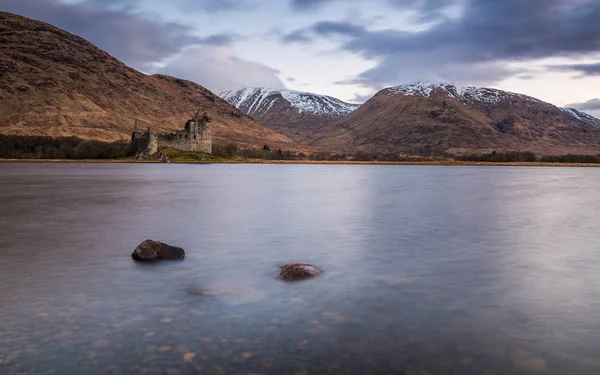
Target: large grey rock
x=153, y=250
x=298, y=271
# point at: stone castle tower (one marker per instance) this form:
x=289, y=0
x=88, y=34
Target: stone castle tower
x=196, y=136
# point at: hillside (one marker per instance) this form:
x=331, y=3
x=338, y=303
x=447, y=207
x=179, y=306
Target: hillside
x=57, y=84
x=293, y=113
x=431, y=118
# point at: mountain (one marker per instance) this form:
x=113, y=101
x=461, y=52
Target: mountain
x=57, y=84
x=433, y=118
x=293, y=113
x=582, y=116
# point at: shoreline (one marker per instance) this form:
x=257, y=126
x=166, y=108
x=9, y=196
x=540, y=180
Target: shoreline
x=449, y=163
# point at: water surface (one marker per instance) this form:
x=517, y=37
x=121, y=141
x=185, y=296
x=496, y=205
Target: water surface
x=427, y=270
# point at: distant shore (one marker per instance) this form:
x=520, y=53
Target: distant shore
x=323, y=162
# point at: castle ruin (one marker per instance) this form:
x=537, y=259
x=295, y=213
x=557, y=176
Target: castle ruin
x=196, y=136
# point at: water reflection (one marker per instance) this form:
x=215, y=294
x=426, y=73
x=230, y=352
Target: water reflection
x=428, y=270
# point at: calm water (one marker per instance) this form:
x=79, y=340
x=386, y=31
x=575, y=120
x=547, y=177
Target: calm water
x=428, y=270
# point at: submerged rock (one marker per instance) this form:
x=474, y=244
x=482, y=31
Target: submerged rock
x=154, y=250
x=298, y=271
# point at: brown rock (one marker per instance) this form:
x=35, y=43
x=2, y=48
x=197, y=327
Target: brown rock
x=154, y=250
x=298, y=271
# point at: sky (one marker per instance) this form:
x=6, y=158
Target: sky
x=349, y=49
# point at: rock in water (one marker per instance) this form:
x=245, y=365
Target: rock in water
x=298, y=271
x=154, y=250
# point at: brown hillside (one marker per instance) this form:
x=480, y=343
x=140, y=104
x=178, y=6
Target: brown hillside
x=440, y=119
x=58, y=84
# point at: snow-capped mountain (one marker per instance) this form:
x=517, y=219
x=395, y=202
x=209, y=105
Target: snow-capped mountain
x=467, y=94
x=482, y=96
x=293, y=113
x=582, y=116
x=438, y=118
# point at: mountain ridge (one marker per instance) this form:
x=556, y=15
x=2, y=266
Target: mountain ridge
x=56, y=83
x=481, y=94
x=293, y=113
x=426, y=117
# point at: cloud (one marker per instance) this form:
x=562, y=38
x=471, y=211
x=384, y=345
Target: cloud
x=212, y=6
x=590, y=105
x=584, y=69
x=329, y=28
x=220, y=39
x=359, y=98
x=432, y=6
x=299, y=36
x=218, y=69
x=323, y=29
x=526, y=77
x=304, y=5
x=476, y=45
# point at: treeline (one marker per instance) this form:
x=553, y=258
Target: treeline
x=528, y=157
x=40, y=147
x=500, y=157
x=266, y=153
x=232, y=150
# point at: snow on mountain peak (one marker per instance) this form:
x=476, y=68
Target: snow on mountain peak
x=423, y=88
x=262, y=99
x=464, y=94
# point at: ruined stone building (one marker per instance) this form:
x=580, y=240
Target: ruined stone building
x=196, y=136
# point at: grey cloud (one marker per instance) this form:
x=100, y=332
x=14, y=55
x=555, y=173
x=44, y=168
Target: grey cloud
x=432, y=6
x=324, y=29
x=308, y=4
x=476, y=46
x=526, y=77
x=590, y=105
x=212, y=6
x=328, y=28
x=219, y=70
x=216, y=6
x=584, y=69
x=220, y=39
x=299, y=36
x=358, y=98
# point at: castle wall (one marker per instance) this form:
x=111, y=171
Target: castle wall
x=196, y=137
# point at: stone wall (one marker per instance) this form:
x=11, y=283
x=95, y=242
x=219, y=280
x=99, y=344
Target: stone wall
x=200, y=141
x=196, y=137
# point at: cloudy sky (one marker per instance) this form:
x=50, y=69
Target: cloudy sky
x=349, y=49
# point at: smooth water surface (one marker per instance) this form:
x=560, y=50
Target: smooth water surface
x=427, y=270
